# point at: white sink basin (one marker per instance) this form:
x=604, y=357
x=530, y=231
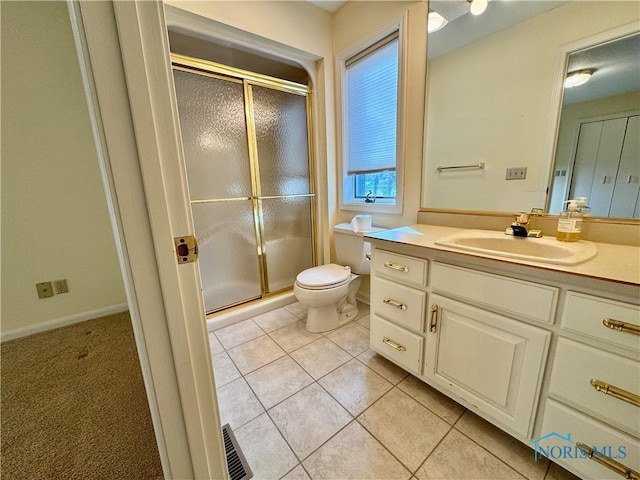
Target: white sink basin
x=544, y=250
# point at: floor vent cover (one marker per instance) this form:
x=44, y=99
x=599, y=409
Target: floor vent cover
x=236, y=463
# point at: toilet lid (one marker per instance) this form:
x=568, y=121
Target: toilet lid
x=323, y=276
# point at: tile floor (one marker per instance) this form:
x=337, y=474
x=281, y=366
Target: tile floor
x=307, y=405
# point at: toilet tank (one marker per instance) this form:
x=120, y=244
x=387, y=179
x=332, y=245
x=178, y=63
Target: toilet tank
x=351, y=248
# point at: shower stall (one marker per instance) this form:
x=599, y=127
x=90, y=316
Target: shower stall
x=246, y=140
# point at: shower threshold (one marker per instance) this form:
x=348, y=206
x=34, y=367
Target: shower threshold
x=229, y=316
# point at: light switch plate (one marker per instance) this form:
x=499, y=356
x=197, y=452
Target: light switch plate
x=516, y=173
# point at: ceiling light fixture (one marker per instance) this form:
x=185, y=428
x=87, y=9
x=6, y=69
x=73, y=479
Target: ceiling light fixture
x=578, y=77
x=478, y=6
x=435, y=22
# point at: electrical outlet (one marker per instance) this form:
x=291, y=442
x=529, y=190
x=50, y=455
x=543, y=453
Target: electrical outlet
x=44, y=289
x=516, y=173
x=60, y=286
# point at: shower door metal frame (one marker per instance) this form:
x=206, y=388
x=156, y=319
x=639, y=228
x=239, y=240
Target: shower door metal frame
x=249, y=80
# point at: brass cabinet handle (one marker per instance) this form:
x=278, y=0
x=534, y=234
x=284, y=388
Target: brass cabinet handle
x=393, y=344
x=615, y=392
x=621, y=326
x=433, y=323
x=393, y=303
x=611, y=464
x=396, y=266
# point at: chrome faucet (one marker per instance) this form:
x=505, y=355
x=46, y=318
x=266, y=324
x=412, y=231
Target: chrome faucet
x=519, y=227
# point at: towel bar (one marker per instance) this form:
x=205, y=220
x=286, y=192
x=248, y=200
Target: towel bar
x=477, y=165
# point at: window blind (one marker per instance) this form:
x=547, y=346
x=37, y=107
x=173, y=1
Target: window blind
x=371, y=88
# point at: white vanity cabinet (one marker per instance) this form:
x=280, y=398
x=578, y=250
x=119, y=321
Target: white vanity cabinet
x=479, y=351
x=398, y=304
x=542, y=355
x=457, y=332
x=593, y=393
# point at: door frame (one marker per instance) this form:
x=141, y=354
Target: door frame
x=557, y=92
x=123, y=52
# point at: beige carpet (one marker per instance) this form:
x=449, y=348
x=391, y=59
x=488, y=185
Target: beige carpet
x=74, y=405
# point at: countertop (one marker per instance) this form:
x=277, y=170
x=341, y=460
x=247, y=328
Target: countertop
x=617, y=263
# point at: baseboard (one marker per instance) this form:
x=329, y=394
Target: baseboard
x=224, y=319
x=363, y=297
x=61, y=322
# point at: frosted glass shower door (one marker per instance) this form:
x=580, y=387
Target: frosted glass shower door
x=214, y=137
x=285, y=197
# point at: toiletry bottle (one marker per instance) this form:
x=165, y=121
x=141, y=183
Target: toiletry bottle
x=570, y=221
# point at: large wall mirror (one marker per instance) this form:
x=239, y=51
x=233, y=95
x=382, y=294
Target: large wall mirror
x=496, y=102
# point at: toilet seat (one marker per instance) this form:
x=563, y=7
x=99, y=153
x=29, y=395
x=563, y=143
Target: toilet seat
x=323, y=277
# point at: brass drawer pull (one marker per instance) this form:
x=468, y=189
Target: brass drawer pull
x=396, y=266
x=393, y=344
x=621, y=326
x=611, y=464
x=393, y=303
x=433, y=323
x=616, y=392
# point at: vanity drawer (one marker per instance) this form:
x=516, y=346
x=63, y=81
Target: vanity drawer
x=408, y=270
x=397, y=344
x=585, y=314
x=576, y=365
x=403, y=305
x=506, y=295
x=562, y=420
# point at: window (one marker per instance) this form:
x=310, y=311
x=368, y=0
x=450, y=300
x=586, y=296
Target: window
x=371, y=99
x=375, y=185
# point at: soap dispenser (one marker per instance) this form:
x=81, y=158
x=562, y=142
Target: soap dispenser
x=570, y=220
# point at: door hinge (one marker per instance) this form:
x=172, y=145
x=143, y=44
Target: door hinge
x=186, y=249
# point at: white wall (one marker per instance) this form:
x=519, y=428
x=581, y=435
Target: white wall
x=490, y=101
x=54, y=213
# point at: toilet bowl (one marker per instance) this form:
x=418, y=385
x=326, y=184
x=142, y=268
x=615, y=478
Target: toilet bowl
x=329, y=291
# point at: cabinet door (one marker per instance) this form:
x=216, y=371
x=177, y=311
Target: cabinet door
x=493, y=362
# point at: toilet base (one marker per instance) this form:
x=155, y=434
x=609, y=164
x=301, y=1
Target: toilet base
x=326, y=318
x=329, y=308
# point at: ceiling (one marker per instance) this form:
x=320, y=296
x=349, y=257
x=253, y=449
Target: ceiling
x=616, y=65
x=617, y=69
x=464, y=28
x=328, y=5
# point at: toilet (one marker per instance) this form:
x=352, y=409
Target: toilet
x=329, y=291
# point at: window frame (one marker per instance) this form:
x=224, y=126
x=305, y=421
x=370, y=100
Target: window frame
x=346, y=183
